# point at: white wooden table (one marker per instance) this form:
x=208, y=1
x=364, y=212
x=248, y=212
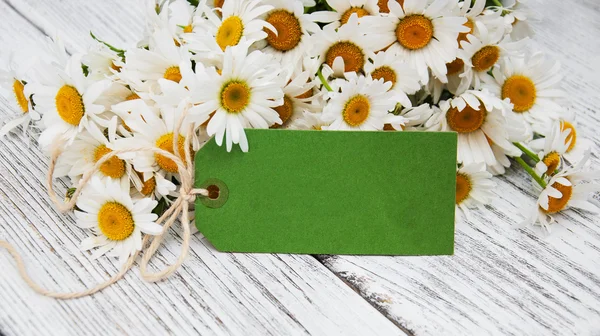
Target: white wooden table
x=503, y=278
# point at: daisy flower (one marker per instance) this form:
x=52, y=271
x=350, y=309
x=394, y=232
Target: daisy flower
x=555, y=146
x=387, y=65
x=483, y=51
x=310, y=121
x=68, y=102
x=243, y=95
x=298, y=96
x=289, y=43
x=363, y=104
x=239, y=19
x=116, y=221
x=180, y=17
x=102, y=62
x=575, y=145
x=474, y=12
x=163, y=59
x=151, y=130
x=414, y=117
x=344, y=9
x=517, y=17
x=532, y=86
x=87, y=149
x=565, y=190
x=423, y=33
x=479, y=119
x=473, y=187
x=345, y=49
x=13, y=79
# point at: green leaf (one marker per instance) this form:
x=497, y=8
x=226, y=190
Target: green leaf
x=161, y=207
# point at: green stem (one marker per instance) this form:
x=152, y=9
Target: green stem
x=118, y=51
x=531, y=172
x=497, y=3
x=527, y=152
x=323, y=80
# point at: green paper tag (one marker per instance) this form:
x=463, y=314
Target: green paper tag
x=330, y=192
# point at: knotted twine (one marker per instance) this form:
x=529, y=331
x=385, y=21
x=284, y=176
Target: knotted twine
x=181, y=205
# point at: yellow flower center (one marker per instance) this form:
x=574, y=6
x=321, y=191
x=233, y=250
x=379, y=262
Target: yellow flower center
x=353, y=56
x=557, y=204
x=383, y=5
x=305, y=95
x=114, y=167
x=235, y=96
x=455, y=67
x=388, y=74
x=521, y=92
x=115, y=221
x=389, y=127
x=485, y=58
x=414, y=32
x=69, y=105
x=188, y=29
x=289, y=32
x=356, y=110
x=463, y=36
x=466, y=121
x=360, y=12
x=165, y=142
x=230, y=32
x=147, y=186
x=173, y=74
x=463, y=187
x=115, y=67
x=552, y=161
x=19, y=91
x=132, y=96
x=285, y=111
x=572, y=137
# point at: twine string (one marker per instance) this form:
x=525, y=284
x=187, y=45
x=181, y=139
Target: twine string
x=150, y=244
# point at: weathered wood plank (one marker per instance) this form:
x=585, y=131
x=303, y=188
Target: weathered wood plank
x=213, y=293
x=504, y=278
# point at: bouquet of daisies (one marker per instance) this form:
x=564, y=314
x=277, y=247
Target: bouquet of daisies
x=215, y=68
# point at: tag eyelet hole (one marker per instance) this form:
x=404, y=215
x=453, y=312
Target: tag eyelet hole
x=213, y=191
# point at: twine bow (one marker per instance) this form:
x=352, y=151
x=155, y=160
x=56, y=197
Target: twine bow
x=179, y=207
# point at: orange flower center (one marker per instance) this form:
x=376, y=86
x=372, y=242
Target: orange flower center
x=463, y=187
x=113, y=167
x=466, y=121
x=521, y=92
x=353, y=56
x=285, y=111
x=455, y=67
x=289, y=32
x=388, y=74
x=414, y=32
x=383, y=5
x=485, y=58
x=356, y=110
x=557, y=204
x=360, y=12
x=165, y=142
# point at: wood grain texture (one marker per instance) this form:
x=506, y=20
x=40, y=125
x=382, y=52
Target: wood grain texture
x=505, y=278
x=212, y=294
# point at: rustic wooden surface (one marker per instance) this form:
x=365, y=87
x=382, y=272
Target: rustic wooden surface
x=504, y=278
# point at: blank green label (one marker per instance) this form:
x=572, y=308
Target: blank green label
x=330, y=192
